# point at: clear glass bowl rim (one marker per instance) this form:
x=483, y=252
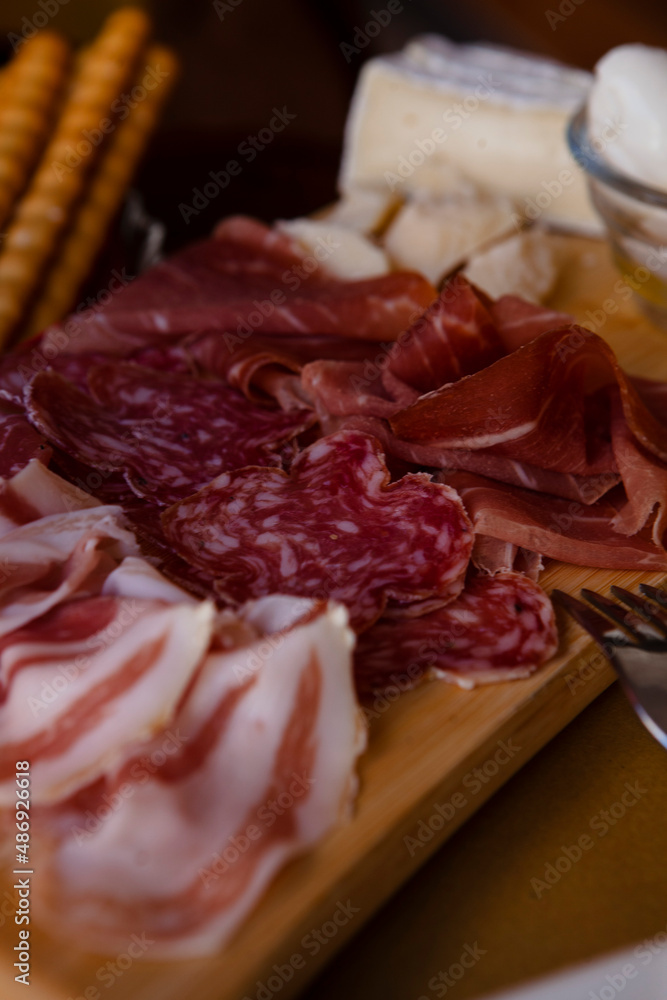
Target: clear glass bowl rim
x=594, y=165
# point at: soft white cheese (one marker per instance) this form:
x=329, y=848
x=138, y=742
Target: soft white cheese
x=425, y=117
x=627, y=112
x=344, y=253
x=526, y=264
x=434, y=237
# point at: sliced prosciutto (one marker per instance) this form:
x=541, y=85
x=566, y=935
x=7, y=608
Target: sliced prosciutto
x=518, y=321
x=246, y=278
x=89, y=679
x=501, y=627
x=333, y=528
x=260, y=765
x=168, y=433
x=560, y=529
x=548, y=404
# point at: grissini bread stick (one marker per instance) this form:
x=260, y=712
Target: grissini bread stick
x=87, y=232
x=29, y=99
x=42, y=215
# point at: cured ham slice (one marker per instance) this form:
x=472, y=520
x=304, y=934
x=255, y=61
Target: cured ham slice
x=499, y=628
x=168, y=433
x=88, y=679
x=248, y=277
x=491, y=555
x=560, y=529
x=36, y=492
x=334, y=527
x=547, y=404
x=48, y=561
x=518, y=321
x=261, y=768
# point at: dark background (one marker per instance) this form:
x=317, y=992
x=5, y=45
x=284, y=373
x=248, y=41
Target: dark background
x=237, y=64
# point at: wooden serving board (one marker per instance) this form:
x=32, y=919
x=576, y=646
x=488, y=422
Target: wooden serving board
x=419, y=781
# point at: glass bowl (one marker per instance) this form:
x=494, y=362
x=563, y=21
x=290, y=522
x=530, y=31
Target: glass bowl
x=635, y=217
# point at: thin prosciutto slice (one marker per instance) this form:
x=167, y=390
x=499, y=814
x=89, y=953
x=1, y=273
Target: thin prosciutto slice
x=247, y=277
x=88, y=679
x=260, y=767
x=499, y=628
x=334, y=527
x=560, y=529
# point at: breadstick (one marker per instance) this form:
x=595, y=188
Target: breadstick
x=28, y=103
x=42, y=215
x=86, y=235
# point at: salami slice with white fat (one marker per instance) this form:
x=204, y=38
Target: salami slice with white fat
x=334, y=528
x=501, y=627
x=169, y=433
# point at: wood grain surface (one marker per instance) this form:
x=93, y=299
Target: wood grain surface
x=418, y=775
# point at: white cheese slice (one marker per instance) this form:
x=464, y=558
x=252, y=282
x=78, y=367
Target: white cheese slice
x=423, y=117
x=366, y=210
x=434, y=237
x=526, y=264
x=342, y=252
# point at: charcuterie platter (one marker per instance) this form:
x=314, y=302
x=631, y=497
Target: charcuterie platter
x=435, y=754
x=280, y=519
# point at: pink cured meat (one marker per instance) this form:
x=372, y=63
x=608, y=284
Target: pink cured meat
x=334, y=528
x=169, y=433
x=499, y=628
x=455, y=336
x=543, y=405
x=518, y=322
x=19, y=442
x=247, y=277
x=560, y=529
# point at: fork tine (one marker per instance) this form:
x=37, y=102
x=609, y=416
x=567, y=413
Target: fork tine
x=642, y=607
x=593, y=623
x=656, y=594
x=628, y=621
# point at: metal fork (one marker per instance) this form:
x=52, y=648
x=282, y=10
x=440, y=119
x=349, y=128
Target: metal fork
x=635, y=644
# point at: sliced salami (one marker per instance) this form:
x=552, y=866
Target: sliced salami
x=169, y=433
x=19, y=442
x=334, y=528
x=501, y=627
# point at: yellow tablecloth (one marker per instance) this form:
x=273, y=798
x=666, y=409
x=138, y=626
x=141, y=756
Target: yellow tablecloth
x=483, y=891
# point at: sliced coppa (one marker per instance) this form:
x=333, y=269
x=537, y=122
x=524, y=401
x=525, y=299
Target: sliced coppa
x=257, y=765
x=169, y=433
x=88, y=680
x=334, y=528
x=501, y=627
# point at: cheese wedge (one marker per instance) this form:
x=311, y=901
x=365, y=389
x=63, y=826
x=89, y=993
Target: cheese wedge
x=347, y=254
x=434, y=237
x=526, y=264
x=425, y=117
